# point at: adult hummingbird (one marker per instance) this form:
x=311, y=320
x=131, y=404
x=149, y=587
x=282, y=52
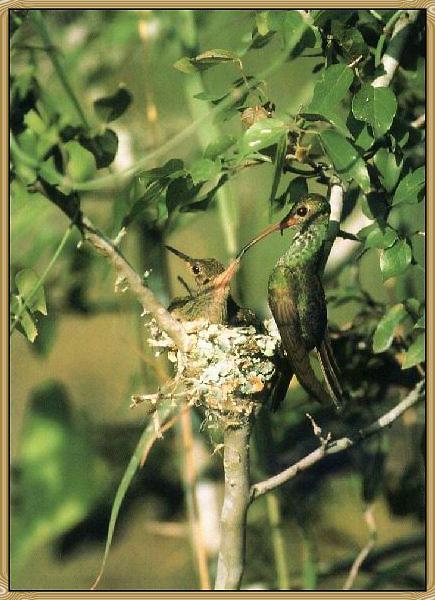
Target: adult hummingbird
x=297, y=300
x=211, y=300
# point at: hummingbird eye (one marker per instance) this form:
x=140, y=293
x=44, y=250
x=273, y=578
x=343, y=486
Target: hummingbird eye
x=302, y=211
x=196, y=270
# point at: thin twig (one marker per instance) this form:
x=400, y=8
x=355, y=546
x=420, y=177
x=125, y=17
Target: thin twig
x=101, y=183
x=41, y=280
x=356, y=566
x=190, y=481
x=209, y=131
x=335, y=446
x=164, y=319
x=159, y=434
x=52, y=53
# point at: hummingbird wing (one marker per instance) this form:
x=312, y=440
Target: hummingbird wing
x=284, y=309
x=313, y=315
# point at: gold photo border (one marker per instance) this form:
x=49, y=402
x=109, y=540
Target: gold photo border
x=5, y=6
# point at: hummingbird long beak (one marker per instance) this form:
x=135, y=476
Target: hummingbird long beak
x=178, y=253
x=224, y=278
x=288, y=221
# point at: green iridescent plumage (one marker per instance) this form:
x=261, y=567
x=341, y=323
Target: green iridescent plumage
x=297, y=299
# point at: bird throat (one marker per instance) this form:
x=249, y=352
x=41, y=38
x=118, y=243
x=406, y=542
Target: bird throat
x=306, y=246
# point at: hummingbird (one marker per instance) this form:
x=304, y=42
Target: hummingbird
x=297, y=299
x=211, y=300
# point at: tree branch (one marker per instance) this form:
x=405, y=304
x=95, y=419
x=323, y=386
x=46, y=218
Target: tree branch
x=365, y=551
x=333, y=447
x=336, y=202
x=390, y=59
x=164, y=319
x=231, y=560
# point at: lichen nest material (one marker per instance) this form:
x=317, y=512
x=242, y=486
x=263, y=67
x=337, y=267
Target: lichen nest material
x=228, y=370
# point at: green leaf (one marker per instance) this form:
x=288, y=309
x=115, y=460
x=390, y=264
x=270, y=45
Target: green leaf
x=375, y=106
x=261, y=21
x=389, y=168
x=421, y=323
x=204, y=198
x=374, y=205
x=384, y=332
x=103, y=146
x=62, y=478
x=290, y=25
x=214, y=57
x=361, y=133
x=143, y=447
x=31, y=290
x=395, y=260
x=262, y=134
x=185, y=65
x=47, y=328
x=205, y=60
x=379, y=48
x=25, y=174
x=219, y=146
x=350, y=39
x=34, y=122
x=204, y=169
x=180, y=193
x=210, y=97
x=400, y=133
x=279, y=164
x=296, y=189
x=150, y=196
x=27, y=141
x=46, y=141
x=110, y=108
x=416, y=352
x=331, y=89
x=346, y=160
x=81, y=164
x=408, y=189
x=173, y=168
x=26, y=324
x=381, y=238
x=49, y=172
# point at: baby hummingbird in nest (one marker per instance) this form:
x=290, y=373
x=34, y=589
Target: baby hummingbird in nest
x=211, y=300
x=297, y=300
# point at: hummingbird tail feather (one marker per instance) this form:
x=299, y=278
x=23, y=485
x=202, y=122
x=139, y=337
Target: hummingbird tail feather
x=299, y=360
x=331, y=356
x=335, y=390
x=331, y=372
x=308, y=380
x=279, y=391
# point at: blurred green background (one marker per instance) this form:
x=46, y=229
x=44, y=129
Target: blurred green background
x=72, y=433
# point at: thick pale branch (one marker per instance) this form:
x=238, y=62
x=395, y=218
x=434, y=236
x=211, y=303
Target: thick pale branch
x=396, y=46
x=164, y=319
x=334, y=446
x=231, y=559
x=390, y=61
x=336, y=202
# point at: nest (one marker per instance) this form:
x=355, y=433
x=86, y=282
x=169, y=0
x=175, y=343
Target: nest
x=229, y=371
